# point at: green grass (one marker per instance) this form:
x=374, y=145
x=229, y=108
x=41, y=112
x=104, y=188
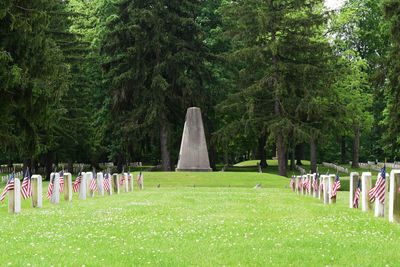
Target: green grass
x=210, y=224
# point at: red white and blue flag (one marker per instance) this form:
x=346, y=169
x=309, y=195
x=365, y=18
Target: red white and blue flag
x=61, y=181
x=77, y=183
x=292, y=181
x=336, y=186
x=357, y=194
x=122, y=179
x=378, y=191
x=9, y=187
x=26, y=187
x=51, y=185
x=315, y=182
x=93, y=183
x=107, y=182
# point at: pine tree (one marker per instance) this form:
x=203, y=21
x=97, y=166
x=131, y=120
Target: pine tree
x=154, y=67
x=283, y=72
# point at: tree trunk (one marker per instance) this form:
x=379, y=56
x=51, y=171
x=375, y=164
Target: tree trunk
x=165, y=153
x=70, y=166
x=49, y=164
x=292, y=160
x=313, y=155
x=356, y=147
x=343, y=150
x=280, y=144
x=299, y=154
x=262, y=154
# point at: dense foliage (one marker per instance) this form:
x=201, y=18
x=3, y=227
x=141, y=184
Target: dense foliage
x=95, y=81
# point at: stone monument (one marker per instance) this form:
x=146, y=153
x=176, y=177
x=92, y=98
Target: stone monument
x=193, y=155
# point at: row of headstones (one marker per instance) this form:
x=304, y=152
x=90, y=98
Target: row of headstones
x=392, y=192
x=5, y=178
x=380, y=209
x=14, y=196
x=323, y=193
x=335, y=167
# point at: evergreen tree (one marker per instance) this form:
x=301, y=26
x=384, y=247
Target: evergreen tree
x=155, y=68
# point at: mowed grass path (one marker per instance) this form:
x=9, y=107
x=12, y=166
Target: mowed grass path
x=182, y=225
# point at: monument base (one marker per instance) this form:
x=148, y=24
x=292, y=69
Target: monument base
x=194, y=170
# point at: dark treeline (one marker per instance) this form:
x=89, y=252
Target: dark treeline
x=100, y=80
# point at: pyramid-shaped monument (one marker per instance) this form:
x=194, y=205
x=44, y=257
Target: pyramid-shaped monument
x=193, y=155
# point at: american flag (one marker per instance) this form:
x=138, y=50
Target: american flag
x=9, y=186
x=292, y=181
x=26, y=187
x=378, y=191
x=357, y=194
x=51, y=185
x=336, y=186
x=121, y=181
x=306, y=183
x=77, y=183
x=321, y=186
x=107, y=182
x=61, y=181
x=315, y=183
x=299, y=184
x=93, y=183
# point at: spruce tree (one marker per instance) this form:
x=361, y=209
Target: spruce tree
x=154, y=67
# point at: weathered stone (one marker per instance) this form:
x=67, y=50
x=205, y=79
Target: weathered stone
x=394, y=196
x=130, y=182
x=82, y=187
x=100, y=183
x=55, y=195
x=14, y=197
x=354, y=177
x=299, y=185
x=37, y=191
x=365, y=187
x=379, y=206
x=326, y=193
x=115, y=182
x=89, y=177
x=332, y=178
x=67, y=186
x=193, y=155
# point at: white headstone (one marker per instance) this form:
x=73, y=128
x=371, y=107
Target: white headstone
x=326, y=193
x=100, y=182
x=14, y=197
x=354, y=176
x=331, y=183
x=310, y=191
x=115, y=182
x=55, y=195
x=394, y=196
x=316, y=191
x=365, y=187
x=37, y=191
x=130, y=182
x=67, y=186
x=379, y=206
x=299, y=186
x=89, y=176
x=126, y=183
x=82, y=187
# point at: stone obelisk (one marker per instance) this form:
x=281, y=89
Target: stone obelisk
x=193, y=155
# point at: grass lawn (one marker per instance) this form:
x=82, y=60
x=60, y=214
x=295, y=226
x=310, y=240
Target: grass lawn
x=205, y=219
